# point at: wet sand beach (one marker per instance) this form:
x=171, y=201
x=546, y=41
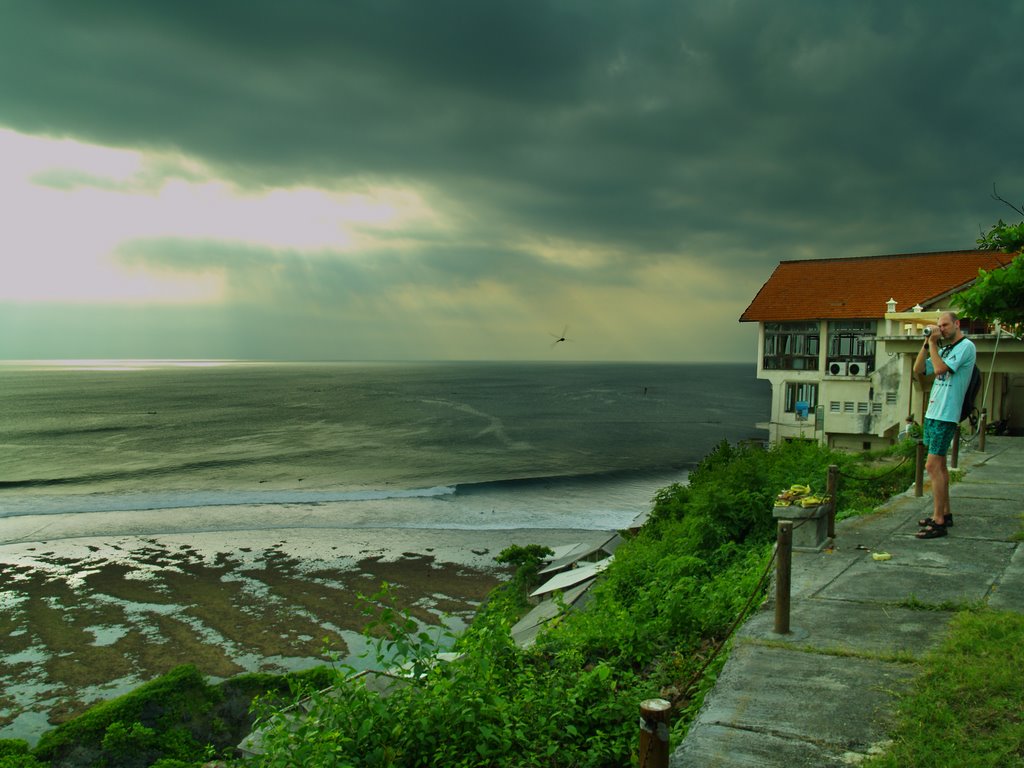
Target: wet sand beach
x=93, y=605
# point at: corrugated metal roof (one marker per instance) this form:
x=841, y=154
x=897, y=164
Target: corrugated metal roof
x=572, y=577
x=573, y=553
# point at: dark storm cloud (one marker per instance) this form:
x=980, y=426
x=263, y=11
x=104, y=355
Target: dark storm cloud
x=739, y=133
x=617, y=117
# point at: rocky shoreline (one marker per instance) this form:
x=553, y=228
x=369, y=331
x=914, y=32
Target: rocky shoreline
x=86, y=619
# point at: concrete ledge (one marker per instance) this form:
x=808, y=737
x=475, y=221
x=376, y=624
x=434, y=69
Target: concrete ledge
x=810, y=525
x=841, y=626
x=809, y=709
x=723, y=747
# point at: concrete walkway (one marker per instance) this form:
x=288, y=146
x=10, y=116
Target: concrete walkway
x=825, y=694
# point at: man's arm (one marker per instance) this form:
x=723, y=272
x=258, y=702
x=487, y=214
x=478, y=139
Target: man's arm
x=930, y=351
x=922, y=355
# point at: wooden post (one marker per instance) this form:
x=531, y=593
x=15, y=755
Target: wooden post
x=654, y=724
x=954, y=458
x=832, y=489
x=783, y=574
x=919, y=470
x=981, y=429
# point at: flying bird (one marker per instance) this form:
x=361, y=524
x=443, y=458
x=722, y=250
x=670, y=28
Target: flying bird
x=560, y=338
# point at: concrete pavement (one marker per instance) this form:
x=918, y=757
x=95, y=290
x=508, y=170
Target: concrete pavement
x=825, y=694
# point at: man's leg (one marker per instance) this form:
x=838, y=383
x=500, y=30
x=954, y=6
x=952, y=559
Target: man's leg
x=946, y=511
x=938, y=473
x=937, y=437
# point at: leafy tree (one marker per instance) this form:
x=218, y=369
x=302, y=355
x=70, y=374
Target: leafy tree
x=527, y=560
x=998, y=295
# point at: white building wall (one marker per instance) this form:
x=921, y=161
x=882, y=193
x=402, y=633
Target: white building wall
x=859, y=411
x=853, y=411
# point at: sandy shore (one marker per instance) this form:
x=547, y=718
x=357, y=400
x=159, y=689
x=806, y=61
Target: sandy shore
x=88, y=611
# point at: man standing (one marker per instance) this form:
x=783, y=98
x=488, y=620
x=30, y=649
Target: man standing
x=952, y=365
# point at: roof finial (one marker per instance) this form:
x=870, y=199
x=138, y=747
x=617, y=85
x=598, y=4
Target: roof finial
x=890, y=306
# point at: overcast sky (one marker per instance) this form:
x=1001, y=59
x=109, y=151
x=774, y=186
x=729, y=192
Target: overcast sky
x=472, y=179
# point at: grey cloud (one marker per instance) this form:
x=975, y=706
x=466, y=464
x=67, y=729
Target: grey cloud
x=737, y=133
x=255, y=274
x=589, y=110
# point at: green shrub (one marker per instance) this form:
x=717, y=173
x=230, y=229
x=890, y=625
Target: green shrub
x=14, y=753
x=135, y=729
x=571, y=699
x=176, y=717
x=527, y=561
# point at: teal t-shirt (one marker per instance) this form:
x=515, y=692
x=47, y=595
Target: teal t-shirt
x=947, y=394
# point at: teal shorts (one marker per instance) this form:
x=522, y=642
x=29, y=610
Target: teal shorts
x=938, y=435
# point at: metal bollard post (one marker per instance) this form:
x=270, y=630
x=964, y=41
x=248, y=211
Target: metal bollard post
x=919, y=470
x=981, y=429
x=954, y=458
x=832, y=489
x=783, y=575
x=654, y=724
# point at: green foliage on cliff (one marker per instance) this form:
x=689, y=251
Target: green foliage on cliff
x=138, y=728
x=14, y=753
x=654, y=626
x=177, y=719
x=650, y=629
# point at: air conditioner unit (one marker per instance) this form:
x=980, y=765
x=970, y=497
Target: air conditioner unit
x=837, y=369
x=855, y=369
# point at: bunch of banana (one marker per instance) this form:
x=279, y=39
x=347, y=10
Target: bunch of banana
x=814, y=501
x=791, y=495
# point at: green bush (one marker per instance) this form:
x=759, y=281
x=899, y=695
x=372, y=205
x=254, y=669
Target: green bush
x=571, y=699
x=176, y=717
x=495, y=706
x=138, y=728
x=14, y=753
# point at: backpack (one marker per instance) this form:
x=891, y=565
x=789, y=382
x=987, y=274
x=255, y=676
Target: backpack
x=971, y=393
x=973, y=387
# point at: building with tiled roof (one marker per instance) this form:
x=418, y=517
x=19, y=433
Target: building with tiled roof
x=855, y=288
x=837, y=339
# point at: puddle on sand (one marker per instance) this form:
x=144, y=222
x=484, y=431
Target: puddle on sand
x=107, y=635
x=80, y=625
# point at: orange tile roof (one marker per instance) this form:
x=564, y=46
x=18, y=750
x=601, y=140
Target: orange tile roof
x=858, y=288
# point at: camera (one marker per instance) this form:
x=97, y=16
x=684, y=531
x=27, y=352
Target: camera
x=927, y=331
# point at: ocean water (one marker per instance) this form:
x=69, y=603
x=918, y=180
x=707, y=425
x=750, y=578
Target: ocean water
x=402, y=445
